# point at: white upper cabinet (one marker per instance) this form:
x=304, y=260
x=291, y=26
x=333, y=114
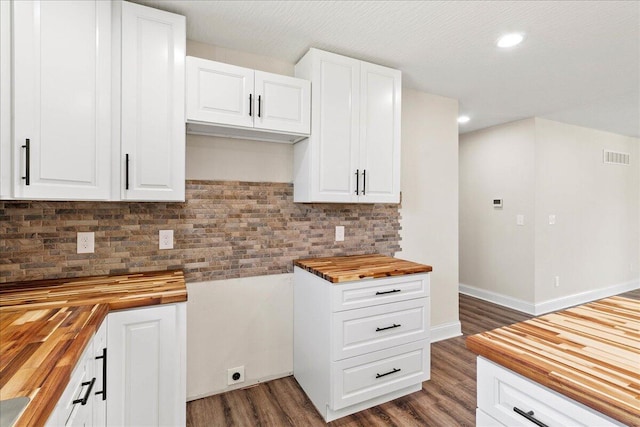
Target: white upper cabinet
x=152, y=158
x=282, y=103
x=61, y=143
x=227, y=100
x=6, y=190
x=353, y=153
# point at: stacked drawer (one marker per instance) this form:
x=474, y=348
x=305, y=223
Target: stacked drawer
x=508, y=399
x=361, y=343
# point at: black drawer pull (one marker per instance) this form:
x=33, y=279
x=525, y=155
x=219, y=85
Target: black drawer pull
x=388, y=373
x=126, y=171
x=250, y=103
x=103, y=392
x=388, y=327
x=357, y=182
x=393, y=291
x=85, y=399
x=529, y=416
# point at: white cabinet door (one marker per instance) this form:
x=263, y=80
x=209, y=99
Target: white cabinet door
x=152, y=115
x=282, y=103
x=380, y=103
x=219, y=93
x=353, y=153
x=145, y=374
x=5, y=101
x=62, y=88
x=328, y=160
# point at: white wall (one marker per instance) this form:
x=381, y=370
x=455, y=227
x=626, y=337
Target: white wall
x=497, y=255
x=429, y=185
x=595, y=242
x=249, y=321
x=548, y=168
x=238, y=322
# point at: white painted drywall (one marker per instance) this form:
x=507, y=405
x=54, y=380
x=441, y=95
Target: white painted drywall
x=429, y=184
x=595, y=242
x=542, y=168
x=496, y=254
x=238, y=322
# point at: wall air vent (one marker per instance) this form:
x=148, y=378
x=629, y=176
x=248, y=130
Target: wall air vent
x=616, y=157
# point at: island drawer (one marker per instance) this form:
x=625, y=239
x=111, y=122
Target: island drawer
x=365, y=377
x=378, y=327
x=511, y=399
x=365, y=293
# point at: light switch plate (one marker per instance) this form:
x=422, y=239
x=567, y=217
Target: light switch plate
x=86, y=242
x=339, y=233
x=552, y=219
x=166, y=239
x=519, y=219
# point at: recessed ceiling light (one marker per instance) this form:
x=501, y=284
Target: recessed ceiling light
x=510, y=40
x=463, y=119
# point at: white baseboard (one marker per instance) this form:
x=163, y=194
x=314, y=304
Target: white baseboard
x=247, y=384
x=445, y=331
x=583, y=297
x=549, y=305
x=496, y=298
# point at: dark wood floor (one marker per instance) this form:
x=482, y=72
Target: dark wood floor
x=448, y=399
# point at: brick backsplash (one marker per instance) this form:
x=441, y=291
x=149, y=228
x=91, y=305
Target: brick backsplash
x=225, y=229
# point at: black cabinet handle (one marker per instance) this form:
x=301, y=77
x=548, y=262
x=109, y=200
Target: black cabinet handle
x=126, y=171
x=250, y=104
x=388, y=327
x=388, y=373
x=530, y=416
x=393, y=291
x=85, y=399
x=259, y=102
x=27, y=163
x=103, y=392
x=357, y=182
x=364, y=182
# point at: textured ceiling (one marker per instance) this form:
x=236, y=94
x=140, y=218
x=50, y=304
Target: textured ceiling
x=579, y=62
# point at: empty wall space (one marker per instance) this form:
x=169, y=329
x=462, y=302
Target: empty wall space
x=429, y=185
x=581, y=236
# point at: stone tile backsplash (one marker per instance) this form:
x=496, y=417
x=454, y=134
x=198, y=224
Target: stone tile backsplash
x=225, y=229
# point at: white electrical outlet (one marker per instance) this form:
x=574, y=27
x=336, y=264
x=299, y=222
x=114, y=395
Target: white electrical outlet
x=235, y=375
x=519, y=219
x=86, y=242
x=166, y=239
x=339, y=233
x=552, y=219
x=556, y=281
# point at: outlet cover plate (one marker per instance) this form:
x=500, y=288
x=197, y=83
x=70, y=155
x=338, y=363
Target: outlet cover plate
x=339, y=233
x=86, y=242
x=166, y=239
x=230, y=372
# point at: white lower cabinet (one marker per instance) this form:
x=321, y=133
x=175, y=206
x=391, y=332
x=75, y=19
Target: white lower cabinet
x=81, y=403
x=509, y=399
x=132, y=373
x=147, y=366
x=361, y=343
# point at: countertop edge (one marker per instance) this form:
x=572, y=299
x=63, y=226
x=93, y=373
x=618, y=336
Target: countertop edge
x=516, y=364
x=44, y=399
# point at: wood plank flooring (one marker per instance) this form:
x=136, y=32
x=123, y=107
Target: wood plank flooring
x=448, y=399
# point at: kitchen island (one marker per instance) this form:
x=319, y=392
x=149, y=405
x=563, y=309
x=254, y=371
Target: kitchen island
x=47, y=325
x=577, y=366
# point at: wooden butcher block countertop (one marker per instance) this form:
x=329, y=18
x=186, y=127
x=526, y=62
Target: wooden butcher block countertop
x=46, y=325
x=357, y=267
x=590, y=353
